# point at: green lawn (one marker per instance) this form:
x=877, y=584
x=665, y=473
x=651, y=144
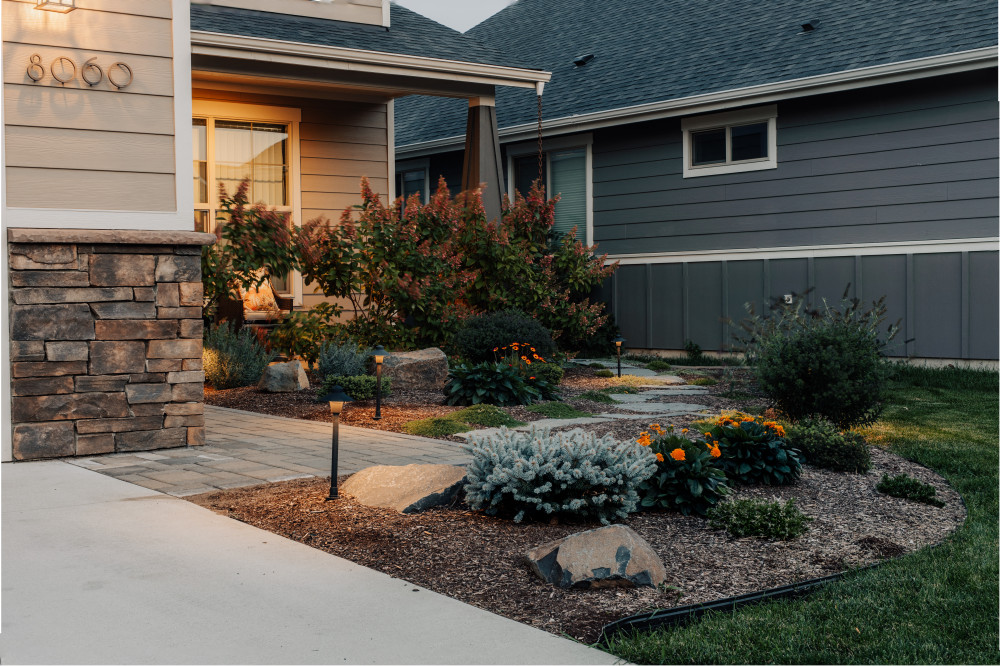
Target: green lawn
x=939, y=605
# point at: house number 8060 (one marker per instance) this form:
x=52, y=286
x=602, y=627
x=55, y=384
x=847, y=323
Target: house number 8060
x=63, y=70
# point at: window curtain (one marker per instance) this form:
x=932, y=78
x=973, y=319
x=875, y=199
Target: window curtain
x=569, y=180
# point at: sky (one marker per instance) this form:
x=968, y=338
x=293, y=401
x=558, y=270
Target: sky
x=457, y=14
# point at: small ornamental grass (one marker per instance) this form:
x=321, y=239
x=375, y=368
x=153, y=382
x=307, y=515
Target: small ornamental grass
x=541, y=475
x=906, y=487
x=461, y=421
x=688, y=476
x=233, y=358
x=750, y=517
x=604, y=373
x=558, y=410
x=658, y=366
x=825, y=445
x=359, y=387
x=346, y=360
x=755, y=451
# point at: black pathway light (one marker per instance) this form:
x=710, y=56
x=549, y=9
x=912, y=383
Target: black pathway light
x=337, y=399
x=618, y=348
x=379, y=355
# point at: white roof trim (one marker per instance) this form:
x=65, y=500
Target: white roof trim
x=275, y=50
x=769, y=92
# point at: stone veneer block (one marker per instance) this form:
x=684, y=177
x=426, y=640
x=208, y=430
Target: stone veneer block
x=177, y=313
x=53, y=322
x=37, y=295
x=68, y=407
x=89, y=426
x=144, y=440
x=111, y=270
x=108, y=358
x=49, y=279
x=167, y=295
x=93, y=445
x=135, y=329
x=45, y=253
x=192, y=328
x=49, y=368
x=194, y=392
x=27, y=350
x=148, y=378
x=144, y=293
x=43, y=440
x=164, y=365
x=23, y=263
x=138, y=393
x=196, y=436
x=187, y=376
x=191, y=293
x=178, y=421
x=66, y=351
x=88, y=383
x=184, y=408
x=174, y=268
x=194, y=363
x=174, y=349
x=148, y=409
x=42, y=386
x=124, y=310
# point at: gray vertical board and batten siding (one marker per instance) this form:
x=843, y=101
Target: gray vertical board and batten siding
x=908, y=162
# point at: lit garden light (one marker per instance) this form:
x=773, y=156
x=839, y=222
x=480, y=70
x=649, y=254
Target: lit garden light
x=337, y=399
x=379, y=355
x=61, y=6
x=618, y=348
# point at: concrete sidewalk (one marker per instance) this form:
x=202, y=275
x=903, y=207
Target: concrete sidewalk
x=100, y=571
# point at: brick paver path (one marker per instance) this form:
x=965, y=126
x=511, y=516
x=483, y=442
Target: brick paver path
x=245, y=448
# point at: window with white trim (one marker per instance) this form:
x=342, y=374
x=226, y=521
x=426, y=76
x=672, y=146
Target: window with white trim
x=730, y=142
x=413, y=177
x=566, y=173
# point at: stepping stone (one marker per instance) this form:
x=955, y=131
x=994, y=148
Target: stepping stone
x=405, y=488
x=612, y=556
x=631, y=397
x=662, y=408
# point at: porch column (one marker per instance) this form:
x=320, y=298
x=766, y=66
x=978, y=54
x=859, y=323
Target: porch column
x=482, y=154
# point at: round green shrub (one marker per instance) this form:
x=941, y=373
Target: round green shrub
x=750, y=517
x=687, y=479
x=480, y=335
x=494, y=384
x=233, y=358
x=824, y=445
x=551, y=373
x=604, y=373
x=658, y=366
x=756, y=453
x=346, y=360
x=359, y=387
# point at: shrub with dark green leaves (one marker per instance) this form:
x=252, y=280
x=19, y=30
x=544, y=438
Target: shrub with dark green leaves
x=756, y=453
x=688, y=477
x=909, y=488
x=824, y=363
x=550, y=373
x=480, y=335
x=359, y=387
x=823, y=444
x=494, y=384
x=233, y=358
x=346, y=359
x=750, y=517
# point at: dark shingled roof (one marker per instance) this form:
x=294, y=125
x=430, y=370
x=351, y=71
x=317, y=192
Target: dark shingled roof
x=409, y=34
x=669, y=49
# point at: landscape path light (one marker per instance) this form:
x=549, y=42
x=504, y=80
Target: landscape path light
x=379, y=355
x=337, y=399
x=618, y=348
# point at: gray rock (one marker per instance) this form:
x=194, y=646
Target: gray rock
x=422, y=369
x=283, y=377
x=612, y=556
x=406, y=488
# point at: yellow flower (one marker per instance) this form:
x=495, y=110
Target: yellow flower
x=659, y=456
x=677, y=454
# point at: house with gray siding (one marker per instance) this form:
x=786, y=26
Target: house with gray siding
x=728, y=153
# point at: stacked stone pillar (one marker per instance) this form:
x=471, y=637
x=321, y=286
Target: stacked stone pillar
x=106, y=341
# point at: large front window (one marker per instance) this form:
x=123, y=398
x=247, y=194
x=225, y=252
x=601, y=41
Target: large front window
x=565, y=174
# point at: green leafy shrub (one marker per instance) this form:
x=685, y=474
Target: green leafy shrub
x=359, y=387
x=755, y=452
x=550, y=373
x=604, y=373
x=749, y=517
x=558, y=410
x=823, y=363
x=233, y=358
x=824, y=445
x=596, y=366
x=480, y=337
x=345, y=359
x=563, y=475
x=462, y=421
x=494, y=384
x=907, y=487
x=695, y=356
x=688, y=477
x=597, y=396
x=302, y=334
x=658, y=366
x=704, y=381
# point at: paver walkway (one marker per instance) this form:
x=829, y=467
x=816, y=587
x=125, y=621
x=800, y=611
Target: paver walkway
x=246, y=448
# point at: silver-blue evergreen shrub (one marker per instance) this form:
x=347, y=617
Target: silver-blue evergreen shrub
x=539, y=474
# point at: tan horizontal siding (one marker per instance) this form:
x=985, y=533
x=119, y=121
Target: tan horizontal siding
x=46, y=147
x=343, y=133
x=341, y=184
x=89, y=190
x=346, y=168
x=88, y=110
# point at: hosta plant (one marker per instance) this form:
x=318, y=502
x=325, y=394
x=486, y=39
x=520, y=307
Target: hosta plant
x=494, y=384
x=755, y=451
x=688, y=477
x=543, y=475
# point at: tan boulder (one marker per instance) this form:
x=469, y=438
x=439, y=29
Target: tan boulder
x=405, y=488
x=612, y=556
x=421, y=369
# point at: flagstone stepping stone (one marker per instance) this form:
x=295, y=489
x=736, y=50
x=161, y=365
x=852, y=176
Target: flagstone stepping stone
x=612, y=556
x=405, y=488
x=283, y=377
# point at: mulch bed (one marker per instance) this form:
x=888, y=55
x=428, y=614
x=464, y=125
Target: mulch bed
x=480, y=560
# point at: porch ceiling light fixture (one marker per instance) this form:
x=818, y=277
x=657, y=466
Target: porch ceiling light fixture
x=337, y=399
x=618, y=348
x=61, y=6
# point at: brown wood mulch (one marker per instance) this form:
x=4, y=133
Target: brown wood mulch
x=480, y=559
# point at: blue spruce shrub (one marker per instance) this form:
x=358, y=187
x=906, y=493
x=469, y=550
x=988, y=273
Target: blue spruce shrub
x=571, y=474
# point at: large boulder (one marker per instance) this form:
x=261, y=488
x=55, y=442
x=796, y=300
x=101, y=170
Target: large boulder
x=422, y=369
x=405, y=488
x=283, y=377
x=612, y=556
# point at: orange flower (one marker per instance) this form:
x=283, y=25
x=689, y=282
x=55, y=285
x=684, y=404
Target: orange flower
x=708, y=434
x=684, y=429
x=677, y=454
x=715, y=452
x=659, y=456
x=644, y=440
